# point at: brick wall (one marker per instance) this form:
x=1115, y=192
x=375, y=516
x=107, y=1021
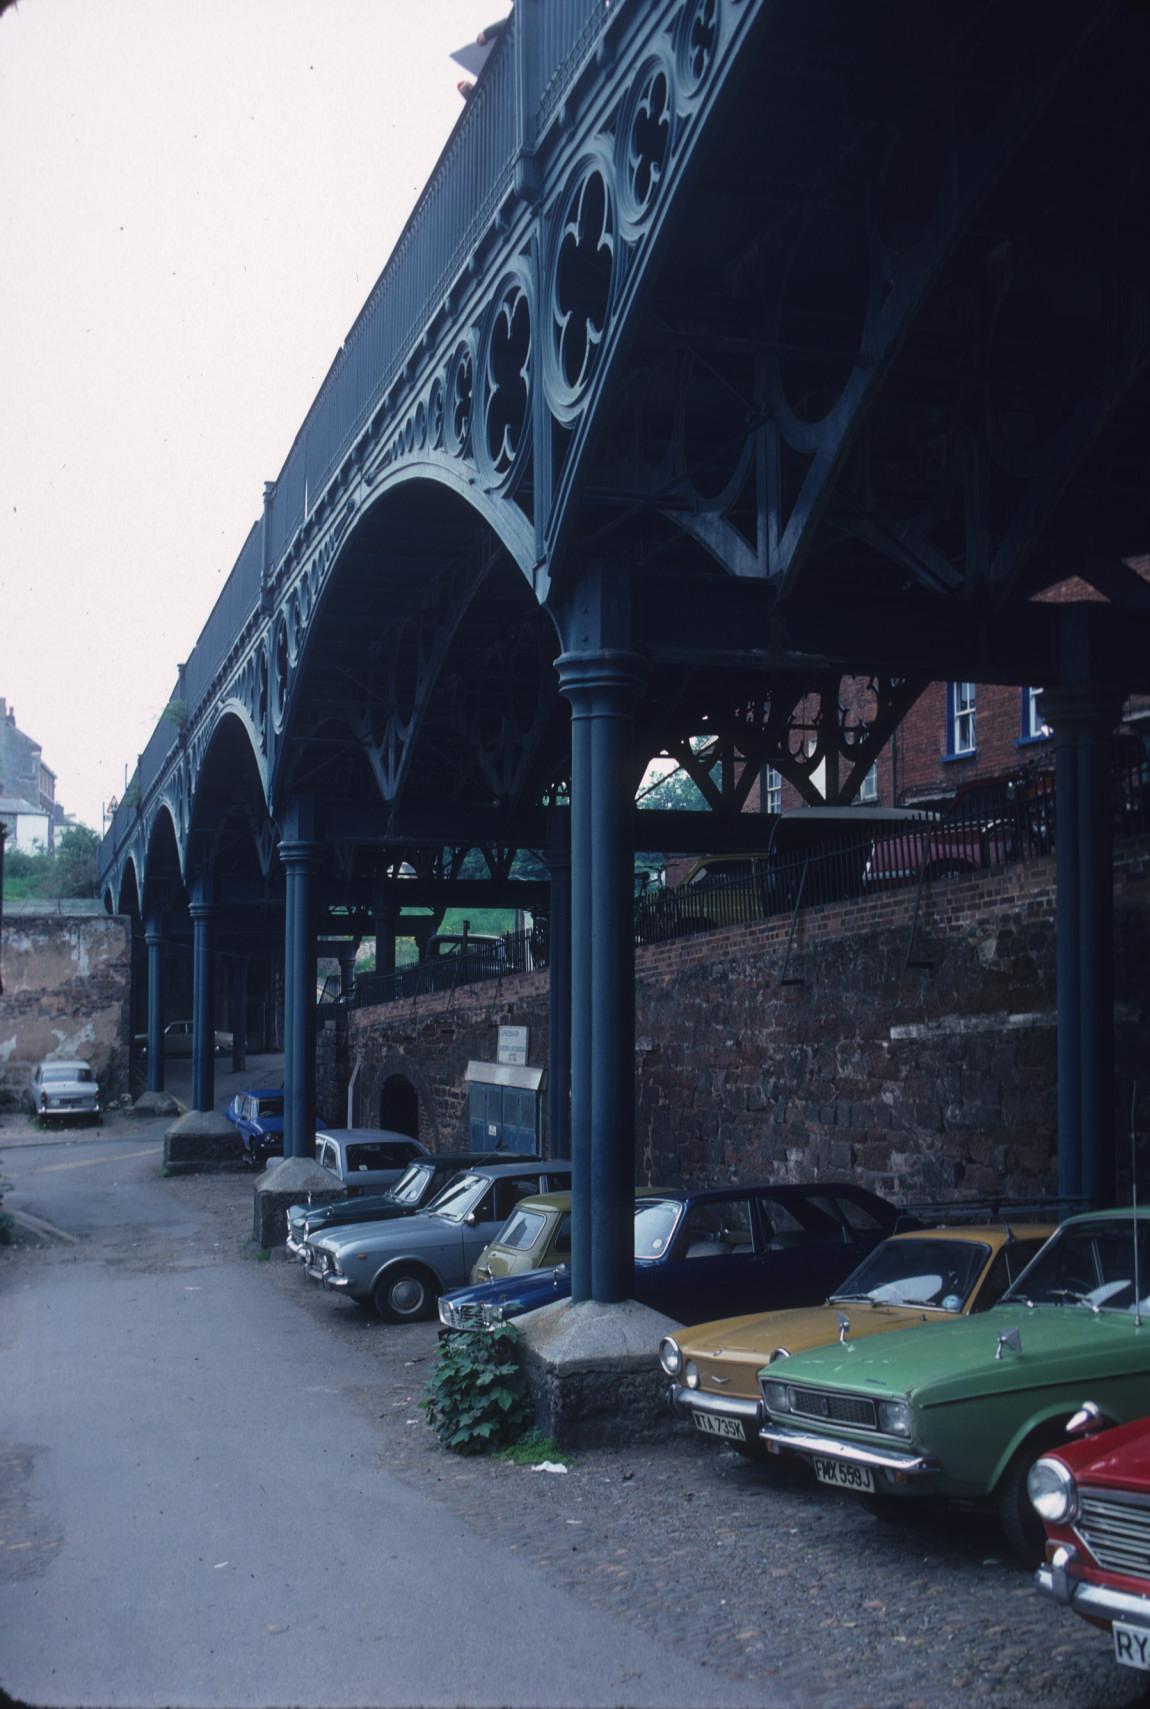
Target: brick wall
x=66, y=993
x=830, y=1055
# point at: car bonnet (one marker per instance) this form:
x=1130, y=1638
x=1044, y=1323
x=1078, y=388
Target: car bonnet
x=958, y=1359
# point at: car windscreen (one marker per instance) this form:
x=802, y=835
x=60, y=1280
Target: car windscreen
x=934, y=1273
x=521, y=1230
x=412, y=1185
x=1089, y=1266
x=460, y=1196
x=67, y=1072
x=655, y=1221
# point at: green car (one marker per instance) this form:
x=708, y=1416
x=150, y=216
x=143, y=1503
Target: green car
x=966, y=1410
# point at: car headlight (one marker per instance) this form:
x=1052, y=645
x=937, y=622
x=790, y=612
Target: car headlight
x=894, y=1417
x=670, y=1356
x=1052, y=1491
x=447, y=1314
x=777, y=1397
x=691, y=1374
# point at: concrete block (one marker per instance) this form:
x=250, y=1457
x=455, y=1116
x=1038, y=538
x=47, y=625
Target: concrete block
x=292, y=1181
x=200, y=1141
x=594, y=1372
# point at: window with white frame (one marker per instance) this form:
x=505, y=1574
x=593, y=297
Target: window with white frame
x=960, y=698
x=1033, y=726
x=868, y=788
x=772, y=790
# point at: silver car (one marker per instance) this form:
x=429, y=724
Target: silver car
x=62, y=1089
x=401, y=1267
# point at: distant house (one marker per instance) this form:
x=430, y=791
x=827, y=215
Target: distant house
x=27, y=789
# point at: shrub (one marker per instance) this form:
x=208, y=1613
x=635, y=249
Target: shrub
x=477, y=1397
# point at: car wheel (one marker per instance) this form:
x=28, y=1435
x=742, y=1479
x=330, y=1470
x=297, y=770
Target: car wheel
x=1025, y=1531
x=404, y=1296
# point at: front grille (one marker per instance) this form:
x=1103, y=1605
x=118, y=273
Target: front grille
x=1115, y=1527
x=467, y=1315
x=835, y=1408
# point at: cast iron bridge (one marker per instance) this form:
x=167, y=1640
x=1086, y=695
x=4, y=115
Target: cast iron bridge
x=732, y=349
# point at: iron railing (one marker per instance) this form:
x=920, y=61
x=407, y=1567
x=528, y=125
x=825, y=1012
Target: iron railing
x=997, y=824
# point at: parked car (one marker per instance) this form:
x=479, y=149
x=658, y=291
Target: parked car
x=366, y=1159
x=813, y=855
x=63, y=1088
x=1093, y=1496
x=416, y=1190
x=702, y=1251
x=923, y=1277
x=967, y=1410
x=536, y=1234
x=178, y=1037
x=401, y=1267
x=535, y=1237
x=258, y=1116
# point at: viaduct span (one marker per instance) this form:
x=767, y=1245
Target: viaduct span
x=732, y=348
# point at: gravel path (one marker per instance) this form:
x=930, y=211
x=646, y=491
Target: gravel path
x=751, y=1570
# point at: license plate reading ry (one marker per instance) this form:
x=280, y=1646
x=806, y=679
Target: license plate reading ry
x=843, y=1475
x=731, y=1427
x=1132, y=1646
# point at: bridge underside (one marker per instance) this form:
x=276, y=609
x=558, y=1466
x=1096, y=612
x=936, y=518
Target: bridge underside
x=852, y=382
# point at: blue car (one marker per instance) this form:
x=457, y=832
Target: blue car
x=714, y=1252
x=258, y=1116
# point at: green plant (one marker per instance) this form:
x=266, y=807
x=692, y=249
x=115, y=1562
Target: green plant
x=533, y=1448
x=477, y=1397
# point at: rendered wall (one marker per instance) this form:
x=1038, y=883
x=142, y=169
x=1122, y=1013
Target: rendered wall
x=66, y=993
x=928, y=1080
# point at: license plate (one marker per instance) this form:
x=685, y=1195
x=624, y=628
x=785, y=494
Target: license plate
x=1132, y=1646
x=730, y=1427
x=843, y=1475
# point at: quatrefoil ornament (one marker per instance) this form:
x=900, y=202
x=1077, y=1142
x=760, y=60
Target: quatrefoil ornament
x=582, y=281
x=506, y=383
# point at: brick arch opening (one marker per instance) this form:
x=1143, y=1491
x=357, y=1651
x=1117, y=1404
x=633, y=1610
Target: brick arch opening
x=399, y=1105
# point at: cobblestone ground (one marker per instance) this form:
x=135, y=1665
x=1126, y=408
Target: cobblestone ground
x=751, y=1569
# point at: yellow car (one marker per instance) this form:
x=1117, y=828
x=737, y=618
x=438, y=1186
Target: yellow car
x=921, y=1277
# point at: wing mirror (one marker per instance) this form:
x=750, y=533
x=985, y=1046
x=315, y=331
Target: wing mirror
x=1010, y=1340
x=471, y=1219
x=1086, y=1420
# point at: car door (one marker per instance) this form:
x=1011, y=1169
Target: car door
x=808, y=1249
x=715, y=1263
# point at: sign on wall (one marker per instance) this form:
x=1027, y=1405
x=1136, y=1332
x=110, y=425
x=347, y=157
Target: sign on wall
x=512, y=1048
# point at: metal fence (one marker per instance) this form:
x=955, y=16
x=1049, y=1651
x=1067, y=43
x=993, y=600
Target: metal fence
x=996, y=824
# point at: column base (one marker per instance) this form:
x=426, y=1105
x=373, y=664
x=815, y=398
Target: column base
x=594, y=1372
x=291, y=1181
x=200, y=1141
x=156, y=1104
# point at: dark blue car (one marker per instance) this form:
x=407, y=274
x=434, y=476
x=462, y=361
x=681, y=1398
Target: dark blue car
x=258, y=1116
x=714, y=1252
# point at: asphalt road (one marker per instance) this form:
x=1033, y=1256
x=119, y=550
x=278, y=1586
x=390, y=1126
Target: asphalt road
x=197, y=1508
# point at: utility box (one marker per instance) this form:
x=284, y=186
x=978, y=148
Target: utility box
x=503, y=1106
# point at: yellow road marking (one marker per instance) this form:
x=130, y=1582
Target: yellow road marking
x=90, y=1162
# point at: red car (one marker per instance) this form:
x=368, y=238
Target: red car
x=1094, y=1498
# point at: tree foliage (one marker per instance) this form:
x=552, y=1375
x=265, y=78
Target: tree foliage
x=70, y=871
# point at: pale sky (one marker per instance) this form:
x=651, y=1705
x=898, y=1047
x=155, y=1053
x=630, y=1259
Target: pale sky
x=194, y=202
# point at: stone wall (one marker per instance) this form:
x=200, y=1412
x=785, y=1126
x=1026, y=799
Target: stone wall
x=915, y=1053
x=67, y=981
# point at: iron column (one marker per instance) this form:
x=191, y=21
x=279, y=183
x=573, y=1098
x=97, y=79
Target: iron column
x=154, y=938
x=602, y=687
x=300, y=859
x=203, y=1007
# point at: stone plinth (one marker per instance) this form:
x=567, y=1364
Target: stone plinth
x=594, y=1372
x=200, y=1141
x=292, y=1181
x=156, y=1104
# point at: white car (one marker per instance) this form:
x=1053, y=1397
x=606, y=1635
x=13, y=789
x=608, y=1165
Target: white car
x=62, y=1088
